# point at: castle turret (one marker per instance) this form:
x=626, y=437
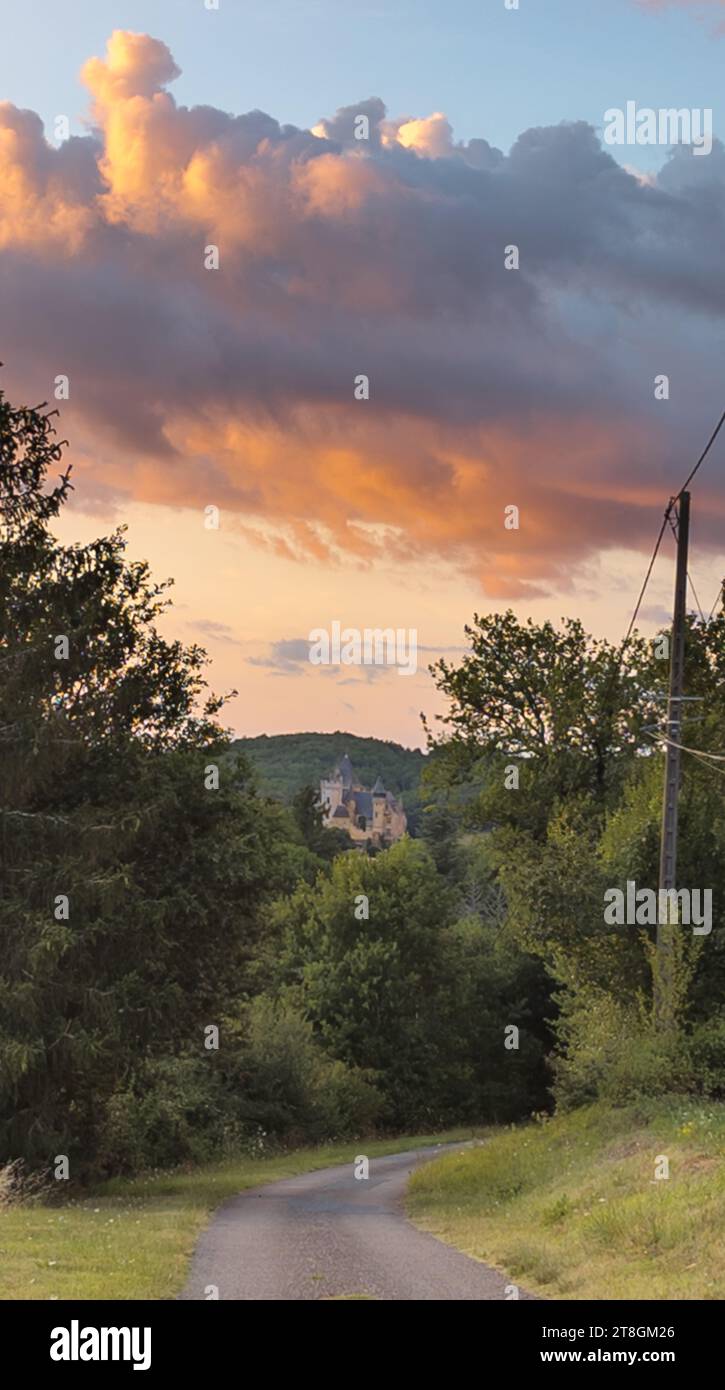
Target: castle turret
x=379, y=805
x=330, y=796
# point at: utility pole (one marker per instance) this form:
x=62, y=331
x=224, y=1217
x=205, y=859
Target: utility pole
x=664, y=980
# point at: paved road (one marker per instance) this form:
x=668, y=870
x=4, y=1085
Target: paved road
x=328, y=1234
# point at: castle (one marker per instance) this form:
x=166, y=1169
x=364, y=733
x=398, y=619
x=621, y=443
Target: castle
x=374, y=817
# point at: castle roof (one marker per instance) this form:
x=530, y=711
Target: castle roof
x=340, y=813
x=379, y=789
x=363, y=804
x=344, y=767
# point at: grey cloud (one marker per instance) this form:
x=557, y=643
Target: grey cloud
x=390, y=261
x=285, y=657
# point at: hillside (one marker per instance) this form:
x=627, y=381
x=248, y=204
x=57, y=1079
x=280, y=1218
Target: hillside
x=286, y=762
x=571, y=1206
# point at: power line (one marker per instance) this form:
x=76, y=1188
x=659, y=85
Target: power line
x=703, y=455
x=699, y=752
x=715, y=604
x=694, y=752
x=694, y=591
x=711, y=766
x=658, y=542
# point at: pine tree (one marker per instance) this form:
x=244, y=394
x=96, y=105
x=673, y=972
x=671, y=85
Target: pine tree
x=128, y=889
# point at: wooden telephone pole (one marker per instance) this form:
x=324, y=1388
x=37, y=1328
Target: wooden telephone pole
x=665, y=963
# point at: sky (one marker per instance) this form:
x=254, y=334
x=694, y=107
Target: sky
x=233, y=388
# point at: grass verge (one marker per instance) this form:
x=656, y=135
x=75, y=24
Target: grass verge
x=571, y=1208
x=133, y=1238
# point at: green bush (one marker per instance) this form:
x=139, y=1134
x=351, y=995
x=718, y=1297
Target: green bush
x=706, y=1049
x=174, y=1111
x=269, y=1083
x=645, y=1065
x=285, y=1085
x=610, y=1051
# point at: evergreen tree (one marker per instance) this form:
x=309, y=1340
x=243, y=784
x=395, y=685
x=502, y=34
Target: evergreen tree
x=128, y=879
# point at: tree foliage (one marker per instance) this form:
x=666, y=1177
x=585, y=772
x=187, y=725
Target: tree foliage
x=567, y=709
x=415, y=995
x=580, y=720
x=128, y=888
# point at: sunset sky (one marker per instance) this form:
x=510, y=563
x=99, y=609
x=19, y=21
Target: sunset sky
x=234, y=388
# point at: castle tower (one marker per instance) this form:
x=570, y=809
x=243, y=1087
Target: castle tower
x=379, y=807
x=330, y=796
x=344, y=768
x=337, y=789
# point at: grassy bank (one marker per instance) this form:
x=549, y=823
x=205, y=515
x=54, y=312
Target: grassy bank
x=133, y=1238
x=571, y=1208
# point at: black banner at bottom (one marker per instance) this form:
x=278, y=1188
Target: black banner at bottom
x=156, y=1339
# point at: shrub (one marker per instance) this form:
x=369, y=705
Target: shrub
x=286, y=1084
x=706, y=1049
x=174, y=1111
x=269, y=1083
x=611, y=1052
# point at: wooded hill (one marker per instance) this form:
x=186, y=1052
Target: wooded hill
x=287, y=762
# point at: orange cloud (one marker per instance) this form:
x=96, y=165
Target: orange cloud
x=383, y=257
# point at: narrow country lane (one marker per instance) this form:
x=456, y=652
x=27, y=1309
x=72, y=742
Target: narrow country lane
x=328, y=1234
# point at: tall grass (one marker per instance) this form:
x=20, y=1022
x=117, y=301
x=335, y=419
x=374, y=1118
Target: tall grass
x=573, y=1208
